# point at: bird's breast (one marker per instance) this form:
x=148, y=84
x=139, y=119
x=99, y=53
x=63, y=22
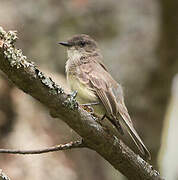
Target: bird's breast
x=84, y=93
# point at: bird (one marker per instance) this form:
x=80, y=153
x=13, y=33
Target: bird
x=89, y=77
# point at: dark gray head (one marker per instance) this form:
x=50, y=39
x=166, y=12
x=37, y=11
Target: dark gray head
x=82, y=43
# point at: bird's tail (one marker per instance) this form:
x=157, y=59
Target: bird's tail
x=132, y=132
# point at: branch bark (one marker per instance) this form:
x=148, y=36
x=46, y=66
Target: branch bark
x=28, y=78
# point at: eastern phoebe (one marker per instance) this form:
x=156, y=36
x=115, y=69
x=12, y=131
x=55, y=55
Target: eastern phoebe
x=87, y=75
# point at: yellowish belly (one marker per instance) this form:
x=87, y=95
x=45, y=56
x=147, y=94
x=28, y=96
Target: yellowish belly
x=86, y=96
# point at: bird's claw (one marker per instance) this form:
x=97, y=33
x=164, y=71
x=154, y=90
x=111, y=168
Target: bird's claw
x=87, y=108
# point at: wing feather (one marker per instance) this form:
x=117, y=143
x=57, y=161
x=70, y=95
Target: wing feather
x=111, y=95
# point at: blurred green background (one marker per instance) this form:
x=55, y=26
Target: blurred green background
x=139, y=42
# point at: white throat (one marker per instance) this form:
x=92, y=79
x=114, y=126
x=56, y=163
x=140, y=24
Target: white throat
x=73, y=54
x=73, y=58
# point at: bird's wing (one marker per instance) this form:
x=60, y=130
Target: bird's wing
x=95, y=76
x=111, y=95
x=93, y=79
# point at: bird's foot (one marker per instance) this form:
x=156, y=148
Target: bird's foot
x=88, y=107
x=71, y=102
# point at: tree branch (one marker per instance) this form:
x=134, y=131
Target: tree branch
x=70, y=145
x=27, y=77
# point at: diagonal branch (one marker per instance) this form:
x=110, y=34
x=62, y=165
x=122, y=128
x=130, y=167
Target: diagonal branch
x=28, y=77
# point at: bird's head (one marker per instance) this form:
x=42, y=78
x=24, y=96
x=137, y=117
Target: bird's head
x=80, y=45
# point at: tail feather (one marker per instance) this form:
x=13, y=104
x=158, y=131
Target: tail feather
x=132, y=132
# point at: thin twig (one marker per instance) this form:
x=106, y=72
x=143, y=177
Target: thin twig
x=70, y=145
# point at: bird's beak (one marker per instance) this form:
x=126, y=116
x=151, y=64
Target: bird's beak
x=65, y=44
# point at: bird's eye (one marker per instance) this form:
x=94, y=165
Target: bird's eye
x=82, y=44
